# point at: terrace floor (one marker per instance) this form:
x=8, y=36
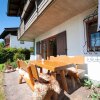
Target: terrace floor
x=15, y=91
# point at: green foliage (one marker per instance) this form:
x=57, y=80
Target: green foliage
x=13, y=64
x=8, y=62
x=2, y=92
x=8, y=53
x=2, y=66
x=88, y=83
x=19, y=56
x=94, y=88
x=95, y=96
x=2, y=44
x=26, y=52
x=98, y=86
x=32, y=50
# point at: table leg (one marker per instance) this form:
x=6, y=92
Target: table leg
x=20, y=79
x=48, y=71
x=63, y=79
x=55, y=95
x=41, y=70
x=54, y=74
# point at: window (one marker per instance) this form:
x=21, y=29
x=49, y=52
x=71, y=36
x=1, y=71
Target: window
x=7, y=41
x=21, y=42
x=93, y=37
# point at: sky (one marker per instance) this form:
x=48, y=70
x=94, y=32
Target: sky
x=5, y=21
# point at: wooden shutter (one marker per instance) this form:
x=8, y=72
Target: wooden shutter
x=38, y=47
x=61, y=43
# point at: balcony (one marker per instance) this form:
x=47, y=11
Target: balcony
x=21, y=30
x=51, y=13
x=25, y=24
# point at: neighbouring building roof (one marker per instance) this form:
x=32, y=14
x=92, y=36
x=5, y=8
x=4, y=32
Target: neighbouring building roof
x=7, y=31
x=15, y=7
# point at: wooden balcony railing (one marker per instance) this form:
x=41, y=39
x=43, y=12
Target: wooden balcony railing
x=39, y=9
x=21, y=30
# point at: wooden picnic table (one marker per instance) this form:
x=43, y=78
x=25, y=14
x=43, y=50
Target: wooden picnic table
x=54, y=66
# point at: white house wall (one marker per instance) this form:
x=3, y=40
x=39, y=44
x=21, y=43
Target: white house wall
x=75, y=41
x=75, y=33
x=14, y=43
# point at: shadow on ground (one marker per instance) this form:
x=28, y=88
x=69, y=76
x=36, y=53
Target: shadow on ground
x=73, y=85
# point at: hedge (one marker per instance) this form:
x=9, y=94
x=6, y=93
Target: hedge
x=8, y=53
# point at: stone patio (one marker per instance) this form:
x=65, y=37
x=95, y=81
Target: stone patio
x=15, y=91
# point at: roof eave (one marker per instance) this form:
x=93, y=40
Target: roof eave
x=8, y=31
x=14, y=12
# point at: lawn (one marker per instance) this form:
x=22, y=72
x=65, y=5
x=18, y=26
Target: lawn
x=2, y=96
x=1, y=67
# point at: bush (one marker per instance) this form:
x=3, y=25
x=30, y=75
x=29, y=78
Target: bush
x=8, y=62
x=25, y=51
x=9, y=53
x=88, y=83
x=95, y=96
x=2, y=55
x=14, y=65
x=19, y=56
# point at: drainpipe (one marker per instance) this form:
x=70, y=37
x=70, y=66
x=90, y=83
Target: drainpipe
x=34, y=47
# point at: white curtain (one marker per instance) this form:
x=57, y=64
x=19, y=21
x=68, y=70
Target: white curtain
x=98, y=15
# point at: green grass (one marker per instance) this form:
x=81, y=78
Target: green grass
x=1, y=67
x=2, y=95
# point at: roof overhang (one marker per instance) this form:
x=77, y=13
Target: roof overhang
x=15, y=7
x=57, y=13
x=12, y=31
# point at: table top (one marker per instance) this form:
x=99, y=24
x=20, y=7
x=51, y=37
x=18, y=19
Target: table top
x=50, y=65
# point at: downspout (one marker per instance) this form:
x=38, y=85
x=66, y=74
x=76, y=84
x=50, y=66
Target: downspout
x=34, y=53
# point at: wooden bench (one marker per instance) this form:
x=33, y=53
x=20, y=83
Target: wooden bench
x=73, y=62
x=29, y=73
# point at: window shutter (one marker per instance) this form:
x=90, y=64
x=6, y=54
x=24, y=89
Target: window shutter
x=38, y=47
x=61, y=43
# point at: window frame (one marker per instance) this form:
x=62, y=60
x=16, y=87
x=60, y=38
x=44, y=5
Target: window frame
x=21, y=42
x=90, y=48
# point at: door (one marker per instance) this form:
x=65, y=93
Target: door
x=48, y=47
x=61, y=43
x=52, y=47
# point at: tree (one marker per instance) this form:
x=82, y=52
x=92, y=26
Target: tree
x=2, y=44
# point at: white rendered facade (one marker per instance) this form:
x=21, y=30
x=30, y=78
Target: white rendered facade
x=15, y=43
